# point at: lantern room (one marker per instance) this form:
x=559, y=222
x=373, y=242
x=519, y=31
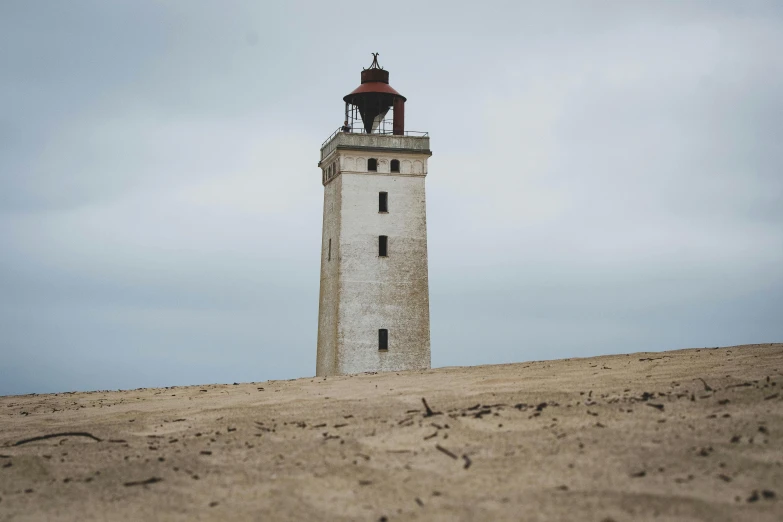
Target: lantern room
x=367, y=106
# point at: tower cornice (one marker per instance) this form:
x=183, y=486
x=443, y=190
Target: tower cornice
x=381, y=150
x=376, y=142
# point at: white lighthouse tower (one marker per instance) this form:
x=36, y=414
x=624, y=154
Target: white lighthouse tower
x=374, y=303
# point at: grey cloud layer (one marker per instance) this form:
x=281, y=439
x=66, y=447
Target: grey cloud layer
x=606, y=178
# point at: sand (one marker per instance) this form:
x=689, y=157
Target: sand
x=683, y=435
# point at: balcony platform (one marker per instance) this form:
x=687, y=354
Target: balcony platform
x=411, y=143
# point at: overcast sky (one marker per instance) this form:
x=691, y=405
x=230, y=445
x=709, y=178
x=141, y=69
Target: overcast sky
x=607, y=177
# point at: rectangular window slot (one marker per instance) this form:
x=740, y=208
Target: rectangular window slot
x=383, y=339
x=329, y=258
x=383, y=201
x=382, y=244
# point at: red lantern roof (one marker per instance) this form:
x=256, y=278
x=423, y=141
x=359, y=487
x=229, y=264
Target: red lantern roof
x=375, y=80
x=373, y=87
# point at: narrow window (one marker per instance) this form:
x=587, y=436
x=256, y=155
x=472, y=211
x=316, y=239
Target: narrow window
x=383, y=201
x=395, y=165
x=382, y=241
x=329, y=258
x=383, y=339
x=372, y=165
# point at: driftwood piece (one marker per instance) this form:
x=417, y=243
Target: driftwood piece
x=55, y=435
x=445, y=451
x=151, y=480
x=429, y=413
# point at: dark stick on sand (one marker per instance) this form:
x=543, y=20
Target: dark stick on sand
x=55, y=435
x=151, y=480
x=447, y=452
x=429, y=413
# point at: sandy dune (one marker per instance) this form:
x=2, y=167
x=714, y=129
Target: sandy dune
x=685, y=435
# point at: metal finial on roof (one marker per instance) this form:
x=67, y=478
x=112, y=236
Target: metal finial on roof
x=374, y=64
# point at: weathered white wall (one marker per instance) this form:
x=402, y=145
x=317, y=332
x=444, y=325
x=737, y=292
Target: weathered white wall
x=369, y=292
x=330, y=281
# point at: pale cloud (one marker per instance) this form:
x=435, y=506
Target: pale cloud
x=605, y=178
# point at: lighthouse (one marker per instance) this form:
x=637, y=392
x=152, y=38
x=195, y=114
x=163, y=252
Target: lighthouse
x=374, y=302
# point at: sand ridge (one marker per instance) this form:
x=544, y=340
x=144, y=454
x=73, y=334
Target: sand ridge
x=680, y=435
